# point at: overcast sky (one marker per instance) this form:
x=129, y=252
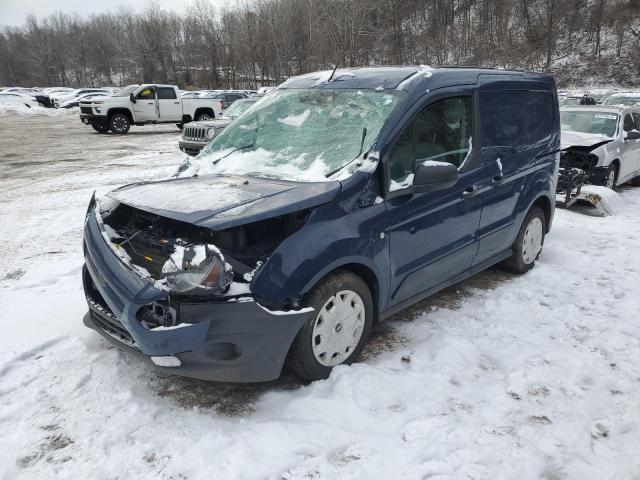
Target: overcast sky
x=14, y=12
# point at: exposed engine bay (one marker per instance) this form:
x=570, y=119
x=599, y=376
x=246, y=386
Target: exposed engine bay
x=192, y=260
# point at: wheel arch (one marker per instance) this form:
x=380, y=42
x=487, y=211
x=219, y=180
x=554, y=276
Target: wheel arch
x=544, y=204
x=126, y=111
x=208, y=110
x=358, y=268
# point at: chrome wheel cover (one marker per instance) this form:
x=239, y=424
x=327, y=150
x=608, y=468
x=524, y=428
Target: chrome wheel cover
x=532, y=240
x=338, y=328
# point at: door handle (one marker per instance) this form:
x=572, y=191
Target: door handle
x=151, y=103
x=469, y=191
x=176, y=103
x=497, y=179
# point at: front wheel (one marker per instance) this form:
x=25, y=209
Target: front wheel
x=119, y=123
x=338, y=331
x=612, y=177
x=528, y=243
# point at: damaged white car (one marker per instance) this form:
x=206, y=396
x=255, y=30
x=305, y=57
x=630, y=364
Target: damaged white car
x=600, y=145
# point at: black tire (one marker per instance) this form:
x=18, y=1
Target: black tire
x=100, y=128
x=301, y=358
x=611, y=181
x=518, y=263
x=203, y=116
x=119, y=123
x=179, y=125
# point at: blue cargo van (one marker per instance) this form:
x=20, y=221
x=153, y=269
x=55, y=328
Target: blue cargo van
x=335, y=201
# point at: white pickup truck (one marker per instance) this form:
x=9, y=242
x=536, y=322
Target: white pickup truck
x=145, y=104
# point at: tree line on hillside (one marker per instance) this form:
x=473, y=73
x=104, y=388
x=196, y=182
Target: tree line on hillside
x=263, y=42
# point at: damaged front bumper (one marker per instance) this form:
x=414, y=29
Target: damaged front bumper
x=235, y=340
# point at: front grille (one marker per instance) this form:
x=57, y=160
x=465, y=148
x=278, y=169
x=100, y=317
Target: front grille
x=85, y=110
x=194, y=134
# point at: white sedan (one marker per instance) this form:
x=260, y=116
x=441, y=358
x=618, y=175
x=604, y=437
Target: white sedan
x=15, y=98
x=603, y=141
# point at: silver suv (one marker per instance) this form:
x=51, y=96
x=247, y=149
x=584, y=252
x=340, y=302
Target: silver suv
x=195, y=135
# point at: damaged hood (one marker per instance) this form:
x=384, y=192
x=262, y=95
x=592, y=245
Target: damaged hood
x=223, y=201
x=587, y=141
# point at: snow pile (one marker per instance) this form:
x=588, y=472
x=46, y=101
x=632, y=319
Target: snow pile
x=22, y=109
x=604, y=199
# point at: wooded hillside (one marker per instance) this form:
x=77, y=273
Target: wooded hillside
x=583, y=42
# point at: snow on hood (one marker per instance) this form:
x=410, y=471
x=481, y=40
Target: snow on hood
x=581, y=139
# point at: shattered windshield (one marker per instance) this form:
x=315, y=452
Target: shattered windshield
x=602, y=123
x=301, y=135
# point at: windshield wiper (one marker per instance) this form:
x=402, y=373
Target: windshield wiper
x=364, y=135
x=232, y=151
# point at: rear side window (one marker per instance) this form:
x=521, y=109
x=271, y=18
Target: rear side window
x=166, y=93
x=628, y=123
x=516, y=118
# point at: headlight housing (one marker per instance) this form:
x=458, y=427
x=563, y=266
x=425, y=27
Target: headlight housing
x=196, y=269
x=211, y=132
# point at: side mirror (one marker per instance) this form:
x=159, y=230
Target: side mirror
x=632, y=135
x=132, y=99
x=431, y=175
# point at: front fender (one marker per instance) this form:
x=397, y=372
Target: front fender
x=342, y=232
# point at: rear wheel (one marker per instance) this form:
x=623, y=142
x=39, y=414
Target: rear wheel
x=119, y=123
x=528, y=243
x=100, y=127
x=203, y=116
x=338, y=331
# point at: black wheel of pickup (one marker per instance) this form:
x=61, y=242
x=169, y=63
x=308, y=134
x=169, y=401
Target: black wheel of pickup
x=119, y=123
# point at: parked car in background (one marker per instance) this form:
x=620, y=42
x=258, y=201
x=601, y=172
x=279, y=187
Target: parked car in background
x=196, y=135
x=75, y=102
x=59, y=98
x=145, y=104
x=623, y=98
x=340, y=199
x=603, y=141
x=14, y=98
x=41, y=97
x=227, y=98
x=577, y=99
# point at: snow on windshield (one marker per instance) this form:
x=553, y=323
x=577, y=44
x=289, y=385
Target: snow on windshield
x=300, y=135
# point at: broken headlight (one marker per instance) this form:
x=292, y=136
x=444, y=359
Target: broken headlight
x=197, y=269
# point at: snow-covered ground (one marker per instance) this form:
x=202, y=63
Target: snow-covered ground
x=500, y=377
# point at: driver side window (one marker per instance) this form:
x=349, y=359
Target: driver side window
x=146, y=94
x=441, y=132
x=628, y=124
